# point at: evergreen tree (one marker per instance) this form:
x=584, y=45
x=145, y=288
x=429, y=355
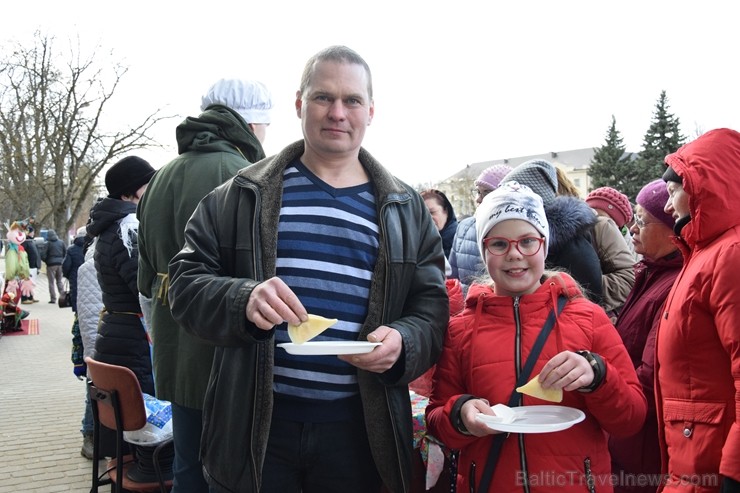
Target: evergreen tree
x=662, y=138
x=611, y=165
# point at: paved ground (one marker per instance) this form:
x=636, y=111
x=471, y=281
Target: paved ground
x=41, y=406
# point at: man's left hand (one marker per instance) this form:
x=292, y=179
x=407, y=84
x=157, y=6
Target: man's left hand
x=382, y=357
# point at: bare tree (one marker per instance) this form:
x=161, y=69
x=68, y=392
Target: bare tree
x=52, y=143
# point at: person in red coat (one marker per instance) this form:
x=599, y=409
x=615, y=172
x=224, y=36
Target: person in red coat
x=698, y=343
x=636, y=459
x=488, y=342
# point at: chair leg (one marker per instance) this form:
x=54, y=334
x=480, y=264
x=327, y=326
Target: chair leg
x=157, y=466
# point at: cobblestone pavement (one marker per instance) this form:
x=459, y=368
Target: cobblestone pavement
x=41, y=406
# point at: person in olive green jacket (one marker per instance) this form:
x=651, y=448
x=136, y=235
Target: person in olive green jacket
x=212, y=148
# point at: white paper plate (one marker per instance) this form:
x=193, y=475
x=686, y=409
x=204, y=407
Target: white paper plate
x=535, y=419
x=319, y=348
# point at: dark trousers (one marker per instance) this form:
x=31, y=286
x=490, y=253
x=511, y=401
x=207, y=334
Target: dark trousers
x=319, y=458
x=187, y=468
x=56, y=278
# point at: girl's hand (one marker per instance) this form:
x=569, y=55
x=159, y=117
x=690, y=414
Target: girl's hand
x=567, y=371
x=467, y=415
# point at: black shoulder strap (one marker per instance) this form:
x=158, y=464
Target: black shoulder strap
x=498, y=440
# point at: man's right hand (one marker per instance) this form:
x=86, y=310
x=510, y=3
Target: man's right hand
x=272, y=302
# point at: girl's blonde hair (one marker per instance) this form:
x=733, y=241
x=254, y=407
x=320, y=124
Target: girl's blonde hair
x=565, y=186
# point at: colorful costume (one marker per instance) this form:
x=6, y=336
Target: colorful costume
x=17, y=279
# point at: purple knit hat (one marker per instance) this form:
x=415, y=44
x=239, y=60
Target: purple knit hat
x=653, y=198
x=491, y=177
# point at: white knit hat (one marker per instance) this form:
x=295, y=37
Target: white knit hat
x=510, y=200
x=250, y=98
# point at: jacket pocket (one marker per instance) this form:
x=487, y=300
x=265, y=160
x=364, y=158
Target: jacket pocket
x=694, y=434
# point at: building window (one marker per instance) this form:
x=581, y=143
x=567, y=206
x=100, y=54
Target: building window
x=577, y=182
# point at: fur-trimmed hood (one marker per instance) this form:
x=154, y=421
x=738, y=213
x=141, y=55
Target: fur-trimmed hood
x=568, y=217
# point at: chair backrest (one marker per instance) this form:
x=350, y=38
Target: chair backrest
x=122, y=381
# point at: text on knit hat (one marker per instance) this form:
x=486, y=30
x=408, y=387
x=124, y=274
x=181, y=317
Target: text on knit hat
x=511, y=200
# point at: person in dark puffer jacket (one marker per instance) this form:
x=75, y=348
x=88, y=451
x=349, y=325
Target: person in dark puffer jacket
x=72, y=261
x=122, y=339
x=55, y=252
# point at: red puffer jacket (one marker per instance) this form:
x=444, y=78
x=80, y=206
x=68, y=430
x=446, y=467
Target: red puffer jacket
x=478, y=359
x=698, y=343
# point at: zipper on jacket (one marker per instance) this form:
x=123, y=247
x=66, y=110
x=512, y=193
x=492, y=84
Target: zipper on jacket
x=384, y=317
x=256, y=472
x=518, y=368
x=471, y=477
x=523, y=463
x=256, y=258
x=590, y=482
x=256, y=268
x=517, y=341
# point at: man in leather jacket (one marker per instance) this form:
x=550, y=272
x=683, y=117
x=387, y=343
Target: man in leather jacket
x=319, y=228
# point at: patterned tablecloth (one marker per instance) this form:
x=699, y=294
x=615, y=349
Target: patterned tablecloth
x=432, y=452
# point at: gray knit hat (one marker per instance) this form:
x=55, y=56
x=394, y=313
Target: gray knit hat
x=539, y=175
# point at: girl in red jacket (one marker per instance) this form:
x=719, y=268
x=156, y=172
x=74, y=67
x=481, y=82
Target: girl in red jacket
x=488, y=343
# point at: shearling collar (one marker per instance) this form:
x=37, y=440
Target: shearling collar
x=269, y=171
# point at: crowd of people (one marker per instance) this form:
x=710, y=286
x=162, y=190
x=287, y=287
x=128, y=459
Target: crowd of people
x=190, y=276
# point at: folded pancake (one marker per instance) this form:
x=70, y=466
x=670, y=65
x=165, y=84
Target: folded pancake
x=534, y=389
x=309, y=329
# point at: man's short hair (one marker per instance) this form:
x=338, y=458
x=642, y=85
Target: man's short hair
x=336, y=53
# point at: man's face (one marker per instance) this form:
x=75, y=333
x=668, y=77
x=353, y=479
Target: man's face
x=335, y=109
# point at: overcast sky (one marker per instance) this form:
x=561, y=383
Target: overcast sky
x=490, y=80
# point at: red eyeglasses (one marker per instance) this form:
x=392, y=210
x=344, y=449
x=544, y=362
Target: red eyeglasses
x=527, y=246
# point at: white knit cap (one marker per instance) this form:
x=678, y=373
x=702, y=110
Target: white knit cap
x=250, y=98
x=510, y=200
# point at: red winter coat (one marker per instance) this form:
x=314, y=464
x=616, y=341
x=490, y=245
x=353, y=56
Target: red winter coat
x=637, y=324
x=698, y=344
x=478, y=359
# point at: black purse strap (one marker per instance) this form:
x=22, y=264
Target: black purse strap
x=498, y=440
